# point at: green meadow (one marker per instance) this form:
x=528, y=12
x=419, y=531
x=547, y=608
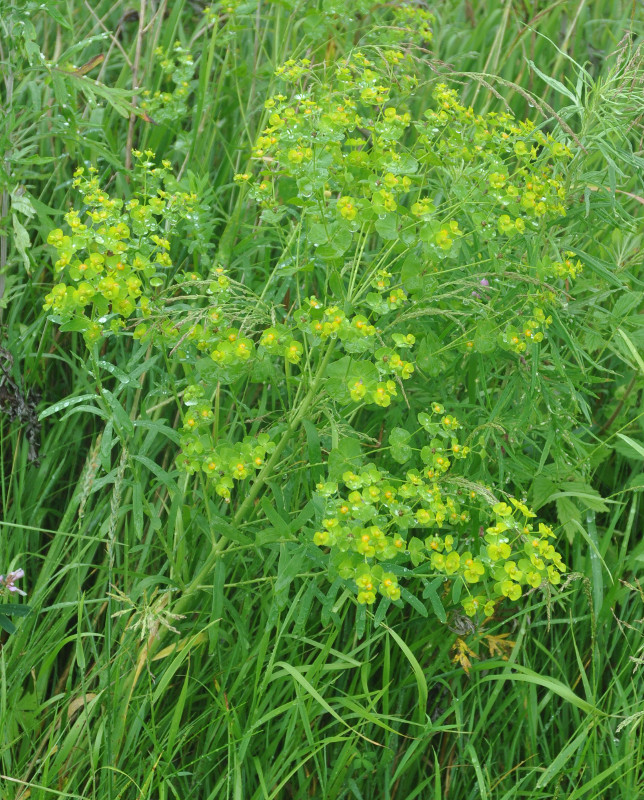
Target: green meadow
x=321, y=400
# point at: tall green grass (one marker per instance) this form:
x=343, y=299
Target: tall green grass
x=272, y=687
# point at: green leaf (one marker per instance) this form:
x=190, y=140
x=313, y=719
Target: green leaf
x=361, y=620
x=485, y=336
x=414, y=602
x=431, y=593
x=593, y=546
x=403, y=164
x=419, y=674
x=526, y=675
x=76, y=325
x=542, y=490
x=416, y=549
x=314, y=450
x=299, y=678
x=121, y=376
x=6, y=624
x=626, y=303
x=414, y=275
x=558, y=763
x=387, y=227
x=21, y=241
x=317, y=234
x=162, y=475
x=346, y=456
x=55, y=14
x=568, y=514
x=15, y=609
x=290, y=563
x=346, y=371
x=429, y=357
x=336, y=284
x=62, y=405
x=337, y=378
x=400, y=449
x=381, y=611
x=633, y=445
x=553, y=82
x=222, y=527
x=137, y=508
x=121, y=417
x=632, y=349
x=587, y=496
x=425, y=420
x=329, y=601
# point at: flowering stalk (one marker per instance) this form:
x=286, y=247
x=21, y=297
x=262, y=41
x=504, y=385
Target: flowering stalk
x=261, y=478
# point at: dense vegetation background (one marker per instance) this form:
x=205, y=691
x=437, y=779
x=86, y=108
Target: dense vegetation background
x=146, y=667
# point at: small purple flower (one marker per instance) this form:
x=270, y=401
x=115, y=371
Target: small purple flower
x=8, y=582
x=483, y=282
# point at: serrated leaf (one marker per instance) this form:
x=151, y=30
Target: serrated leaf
x=626, y=303
x=636, y=482
x=569, y=516
x=587, y=496
x=542, y=489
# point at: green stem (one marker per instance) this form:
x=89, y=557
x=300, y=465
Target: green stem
x=292, y=427
x=215, y=424
x=261, y=479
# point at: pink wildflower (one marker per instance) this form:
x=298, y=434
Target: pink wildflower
x=8, y=581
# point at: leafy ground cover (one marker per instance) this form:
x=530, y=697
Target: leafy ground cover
x=321, y=381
